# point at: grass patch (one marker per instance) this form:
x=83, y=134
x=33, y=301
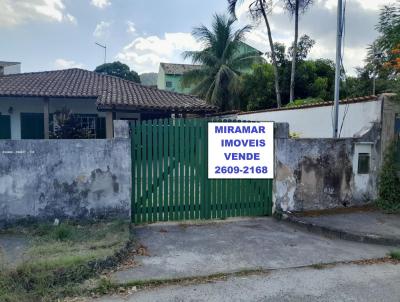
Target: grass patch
x=59, y=259
x=395, y=255
x=318, y=266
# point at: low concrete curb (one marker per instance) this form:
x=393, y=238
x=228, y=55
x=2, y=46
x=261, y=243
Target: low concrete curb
x=337, y=233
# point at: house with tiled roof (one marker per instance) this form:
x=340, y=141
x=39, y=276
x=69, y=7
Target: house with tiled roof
x=28, y=102
x=170, y=74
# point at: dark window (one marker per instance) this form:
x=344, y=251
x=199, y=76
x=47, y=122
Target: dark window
x=5, y=127
x=168, y=84
x=32, y=125
x=363, y=163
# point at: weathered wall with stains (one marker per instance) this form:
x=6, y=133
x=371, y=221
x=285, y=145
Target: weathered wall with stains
x=315, y=174
x=64, y=178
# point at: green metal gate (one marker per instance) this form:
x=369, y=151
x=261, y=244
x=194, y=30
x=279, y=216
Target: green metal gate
x=170, y=179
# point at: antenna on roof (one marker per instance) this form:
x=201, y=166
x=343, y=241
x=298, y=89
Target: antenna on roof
x=105, y=51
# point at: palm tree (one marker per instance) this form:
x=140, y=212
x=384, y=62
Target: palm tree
x=294, y=7
x=217, y=80
x=259, y=9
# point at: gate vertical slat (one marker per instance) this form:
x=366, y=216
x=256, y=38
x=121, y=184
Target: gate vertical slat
x=154, y=169
x=172, y=171
x=144, y=199
x=202, y=149
x=161, y=181
x=266, y=197
x=260, y=198
x=224, y=199
x=186, y=129
x=237, y=197
x=150, y=169
x=230, y=198
x=214, y=197
x=270, y=197
x=208, y=192
x=176, y=163
x=192, y=163
x=198, y=171
x=165, y=138
x=255, y=196
x=181, y=169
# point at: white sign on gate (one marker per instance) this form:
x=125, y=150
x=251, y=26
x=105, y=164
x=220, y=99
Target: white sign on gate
x=241, y=150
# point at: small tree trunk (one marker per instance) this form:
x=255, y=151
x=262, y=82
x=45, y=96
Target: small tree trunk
x=273, y=57
x=294, y=55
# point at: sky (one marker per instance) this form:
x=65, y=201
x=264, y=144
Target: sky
x=59, y=34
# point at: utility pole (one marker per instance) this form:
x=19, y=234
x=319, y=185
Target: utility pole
x=105, y=51
x=338, y=67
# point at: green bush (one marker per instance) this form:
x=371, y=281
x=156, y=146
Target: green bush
x=389, y=182
x=395, y=254
x=308, y=101
x=63, y=232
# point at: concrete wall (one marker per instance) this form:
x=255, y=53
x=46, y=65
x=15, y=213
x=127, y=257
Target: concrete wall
x=64, y=178
x=315, y=174
x=316, y=122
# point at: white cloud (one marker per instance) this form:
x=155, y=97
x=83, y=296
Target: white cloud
x=16, y=12
x=102, y=29
x=144, y=54
x=100, y=3
x=131, y=27
x=65, y=64
x=365, y=4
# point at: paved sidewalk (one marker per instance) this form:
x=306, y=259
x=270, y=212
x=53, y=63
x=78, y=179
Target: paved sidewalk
x=364, y=226
x=345, y=283
x=177, y=251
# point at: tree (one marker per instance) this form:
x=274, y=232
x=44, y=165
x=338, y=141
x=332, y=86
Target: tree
x=257, y=88
x=382, y=64
x=259, y=9
x=217, y=81
x=389, y=181
x=389, y=29
x=303, y=48
x=314, y=77
x=294, y=7
x=315, y=80
x=118, y=69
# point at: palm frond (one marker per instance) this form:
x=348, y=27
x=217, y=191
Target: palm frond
x=232, y=4
x=204, y=57
x=246, y=60
x=204, y=35
x=193, y=77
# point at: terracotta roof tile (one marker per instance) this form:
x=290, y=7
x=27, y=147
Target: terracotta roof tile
x=109, y=91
